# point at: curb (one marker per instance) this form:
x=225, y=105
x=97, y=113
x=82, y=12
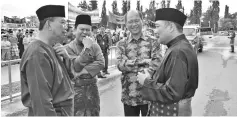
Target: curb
x=103, y=86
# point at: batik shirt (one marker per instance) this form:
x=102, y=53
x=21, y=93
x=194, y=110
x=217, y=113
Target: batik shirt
x=132, y=51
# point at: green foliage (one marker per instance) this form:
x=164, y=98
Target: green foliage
x=129, y=5
x=138, y=5
x=93, y=4
x=179, y=5
x=104, y=17
x=196, y=13
x=124, y=7
x=227, y=23
x=150, y=13
x=163, y=4
x=83, y=5
x=168, y=4
x=115, y=7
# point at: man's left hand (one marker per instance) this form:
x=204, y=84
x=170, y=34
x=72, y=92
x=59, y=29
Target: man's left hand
x=142, y=76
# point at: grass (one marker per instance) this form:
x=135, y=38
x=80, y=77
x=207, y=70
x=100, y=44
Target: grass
x=16, y=88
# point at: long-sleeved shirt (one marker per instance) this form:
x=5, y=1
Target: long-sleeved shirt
x=130, y=52
x=177, y=77
x=92, y=59
x=45, y=82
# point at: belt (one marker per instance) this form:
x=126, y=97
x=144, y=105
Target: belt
x=61, y=110
x=83, y=82
x=68, y=102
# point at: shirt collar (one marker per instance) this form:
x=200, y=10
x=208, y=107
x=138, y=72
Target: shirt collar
x=130, y=38
x=175, y=40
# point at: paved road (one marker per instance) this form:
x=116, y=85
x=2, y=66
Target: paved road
x=216, y=95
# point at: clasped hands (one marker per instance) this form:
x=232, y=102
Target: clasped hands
x=142, y=75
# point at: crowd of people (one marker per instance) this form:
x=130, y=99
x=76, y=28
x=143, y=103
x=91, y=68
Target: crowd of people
x=13, y=42
x=59, y=78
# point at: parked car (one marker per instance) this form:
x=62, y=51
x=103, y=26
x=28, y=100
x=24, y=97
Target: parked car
x=206, y=34
x=193, y=35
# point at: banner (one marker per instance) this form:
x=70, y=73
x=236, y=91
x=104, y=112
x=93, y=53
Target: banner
x=73, y=12
x=116, y=19
x=14, y=20
x=72, y=16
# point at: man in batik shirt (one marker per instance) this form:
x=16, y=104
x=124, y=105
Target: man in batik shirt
x=134, y=54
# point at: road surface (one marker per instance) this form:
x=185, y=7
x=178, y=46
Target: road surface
x=215, y=96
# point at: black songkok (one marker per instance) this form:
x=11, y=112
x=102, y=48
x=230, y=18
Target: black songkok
x=83, y=19
x=50, y=11
x=170, y=14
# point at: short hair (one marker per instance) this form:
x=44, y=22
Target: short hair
x=178, y=26
x=42, y=22
x=93, y=28
x=139, y=13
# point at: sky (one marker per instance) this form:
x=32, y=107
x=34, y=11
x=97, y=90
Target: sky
x=23, y=8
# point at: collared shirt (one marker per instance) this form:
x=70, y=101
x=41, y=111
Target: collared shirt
x=91, y=60
x=134, y=51
x=103, y=41
x=177, y=77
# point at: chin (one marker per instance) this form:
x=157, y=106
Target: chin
x=136, y=32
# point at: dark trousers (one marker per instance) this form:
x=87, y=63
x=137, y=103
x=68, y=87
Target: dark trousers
x=105, y=54
x=135, y=110
x=232, y=48
x=21, y=49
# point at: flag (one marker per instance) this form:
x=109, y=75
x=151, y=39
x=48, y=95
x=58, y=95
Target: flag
x=116, y=19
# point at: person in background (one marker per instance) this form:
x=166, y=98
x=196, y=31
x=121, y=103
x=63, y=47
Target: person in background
x=85, y=60
x=14, y=47
x=94, y=32
x=135, y=53
x=5, y=48
x=104, y=43
x=70, y=35
x=171, y=88
x=26, y=39
x=46, y=88
x=20, y=37
x=232, y=40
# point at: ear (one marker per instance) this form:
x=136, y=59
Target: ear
x=48, y=25
x=172, y=27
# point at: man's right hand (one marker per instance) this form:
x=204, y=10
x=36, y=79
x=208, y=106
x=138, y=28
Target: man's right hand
x=61, y=50
x=87, y=41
